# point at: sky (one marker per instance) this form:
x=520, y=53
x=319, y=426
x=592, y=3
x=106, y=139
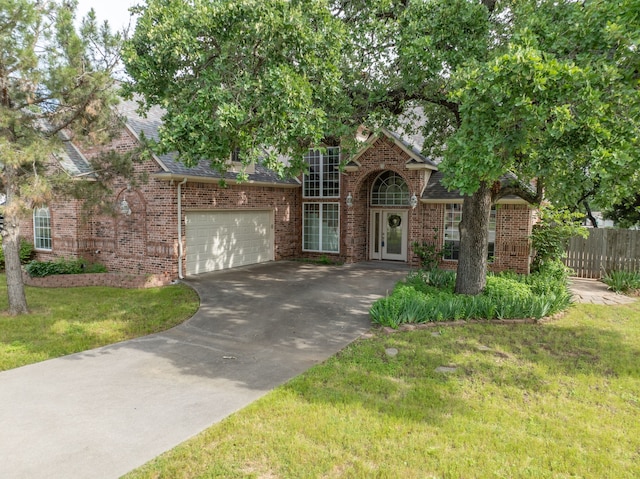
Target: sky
x=116, y=12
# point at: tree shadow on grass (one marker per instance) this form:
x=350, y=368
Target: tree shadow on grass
x=528, y=358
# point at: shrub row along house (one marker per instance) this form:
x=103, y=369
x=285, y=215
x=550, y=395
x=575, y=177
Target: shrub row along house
x=183, y=222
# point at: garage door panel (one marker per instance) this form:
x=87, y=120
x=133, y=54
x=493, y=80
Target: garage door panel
x=222, y=240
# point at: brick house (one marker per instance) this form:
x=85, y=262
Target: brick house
x=182, y=222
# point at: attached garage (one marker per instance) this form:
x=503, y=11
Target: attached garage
x=217, y=240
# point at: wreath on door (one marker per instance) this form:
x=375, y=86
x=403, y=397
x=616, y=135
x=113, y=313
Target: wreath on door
x=394, y=221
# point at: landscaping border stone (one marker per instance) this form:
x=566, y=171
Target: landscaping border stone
x=115, y=280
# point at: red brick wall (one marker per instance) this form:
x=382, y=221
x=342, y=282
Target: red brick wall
x=513, y=222
x=114, y=280
x=285, y=204
x=513, y=226
x=383, y=155
x=146, y=241
x=66, y=229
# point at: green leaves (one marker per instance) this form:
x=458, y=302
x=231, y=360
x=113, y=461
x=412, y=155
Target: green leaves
x=239, y=74
x=553, y=104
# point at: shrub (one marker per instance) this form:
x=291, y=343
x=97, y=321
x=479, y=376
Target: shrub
x=507, y=295
x=26, y=253
x=550, y=235
x=429, y=252
x=40, y=269
x=622, y=281
x=500, y=287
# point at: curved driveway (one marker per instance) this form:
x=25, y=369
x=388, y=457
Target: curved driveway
x=102, y=413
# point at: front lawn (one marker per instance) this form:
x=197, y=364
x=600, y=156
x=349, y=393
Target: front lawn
x=70, y=320
x=553, y=400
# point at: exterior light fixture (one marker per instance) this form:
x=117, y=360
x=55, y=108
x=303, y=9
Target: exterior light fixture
x=124, y=208
x=413, y=201
x=349, y=200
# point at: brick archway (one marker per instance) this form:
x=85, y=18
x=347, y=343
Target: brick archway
x=131, y=229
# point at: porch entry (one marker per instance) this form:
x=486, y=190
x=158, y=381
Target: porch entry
x=388, y=238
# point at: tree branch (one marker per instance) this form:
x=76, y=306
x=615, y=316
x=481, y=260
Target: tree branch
x=515, y=187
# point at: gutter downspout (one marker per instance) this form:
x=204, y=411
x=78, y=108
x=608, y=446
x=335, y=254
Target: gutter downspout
x=180, y=248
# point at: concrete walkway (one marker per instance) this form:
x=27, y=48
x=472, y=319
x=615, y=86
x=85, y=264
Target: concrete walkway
x=596, y=292
x=102, y=413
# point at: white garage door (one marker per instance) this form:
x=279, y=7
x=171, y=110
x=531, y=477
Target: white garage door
x=221, y=240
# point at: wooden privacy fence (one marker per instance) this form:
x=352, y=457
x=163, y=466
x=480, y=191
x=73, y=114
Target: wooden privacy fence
x=605, y=250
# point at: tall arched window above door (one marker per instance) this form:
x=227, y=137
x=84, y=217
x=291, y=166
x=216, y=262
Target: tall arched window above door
x=390, y=189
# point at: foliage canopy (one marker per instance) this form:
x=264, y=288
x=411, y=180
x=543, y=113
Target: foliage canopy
x=545, y=90
x=56, y=84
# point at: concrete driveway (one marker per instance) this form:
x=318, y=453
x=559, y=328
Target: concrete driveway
x=102, y=413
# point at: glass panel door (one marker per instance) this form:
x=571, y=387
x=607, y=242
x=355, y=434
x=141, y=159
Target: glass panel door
x=394, y=225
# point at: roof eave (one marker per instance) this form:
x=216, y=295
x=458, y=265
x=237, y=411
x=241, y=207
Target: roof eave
x=211, y=179
x=155, y=157
x=420, y=166
x=502, y=201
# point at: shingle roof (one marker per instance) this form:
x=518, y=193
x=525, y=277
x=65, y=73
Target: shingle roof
x=435, y=190
x=150, y=125
x=71, y=160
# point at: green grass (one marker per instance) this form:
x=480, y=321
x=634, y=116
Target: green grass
x=553, y=400
x=69, y=320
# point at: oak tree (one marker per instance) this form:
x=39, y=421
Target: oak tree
x=537, y=98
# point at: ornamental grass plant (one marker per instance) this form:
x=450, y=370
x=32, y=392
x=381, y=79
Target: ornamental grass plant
x=427, y=296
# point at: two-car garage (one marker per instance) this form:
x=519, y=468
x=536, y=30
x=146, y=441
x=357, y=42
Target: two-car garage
x=217, y=240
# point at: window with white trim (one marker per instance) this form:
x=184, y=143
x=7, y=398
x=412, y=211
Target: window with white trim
x=323, y=179
x=321, y=227
x=452, y=218
x=42, y=228
x=390, y=189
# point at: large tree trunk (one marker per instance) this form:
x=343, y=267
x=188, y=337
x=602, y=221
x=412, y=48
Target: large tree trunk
x=474, y=242
x=11, y=247
x=15, y=286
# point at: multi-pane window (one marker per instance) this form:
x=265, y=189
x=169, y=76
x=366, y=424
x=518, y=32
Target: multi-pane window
x=390, y=189
x=321, y=227
x=323, y=179
x=42, y=228
x=452, y=217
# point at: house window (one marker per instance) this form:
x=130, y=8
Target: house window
x=452, y=217
x=390, y=189
x=42, y=228
x=321, y=227
x=323, y=179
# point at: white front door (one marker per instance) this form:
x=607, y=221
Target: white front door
x=389, y=235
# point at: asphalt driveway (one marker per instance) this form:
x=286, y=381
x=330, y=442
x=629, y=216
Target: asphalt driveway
x=104, y=412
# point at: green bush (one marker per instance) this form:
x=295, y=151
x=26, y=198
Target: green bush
x=551, y=234
x=623, y=281
x=429, y=252
x=502, y=287
x=40, y=269
x=26, y=253
x=507, y=295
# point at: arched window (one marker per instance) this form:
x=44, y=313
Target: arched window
x=390, y=189
x=42, y=228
